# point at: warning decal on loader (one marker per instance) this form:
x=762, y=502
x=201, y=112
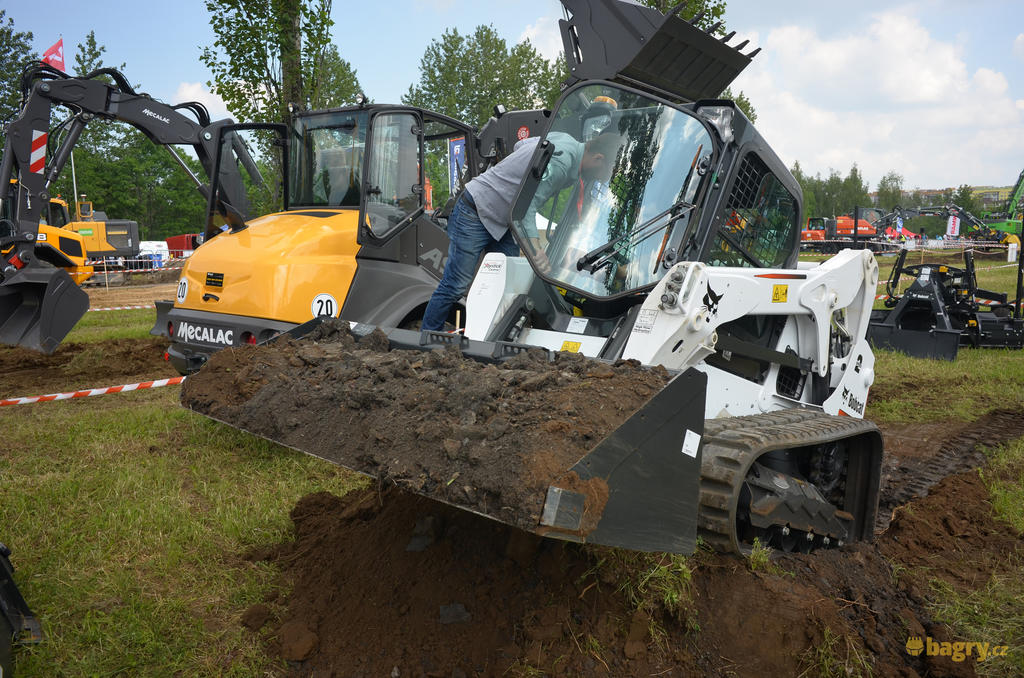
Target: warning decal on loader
x=571, y=346
x=645, y=321
x=779, y=293
x=691, y=443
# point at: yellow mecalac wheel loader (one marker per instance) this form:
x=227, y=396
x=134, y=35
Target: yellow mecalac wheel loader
x=683, y=255
x=39, y=300
x=352, y=236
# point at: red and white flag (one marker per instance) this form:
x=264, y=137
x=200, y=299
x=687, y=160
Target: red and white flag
x=55, y=55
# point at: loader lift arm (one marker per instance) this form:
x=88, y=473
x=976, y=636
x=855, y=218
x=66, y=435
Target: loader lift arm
x=40, y=304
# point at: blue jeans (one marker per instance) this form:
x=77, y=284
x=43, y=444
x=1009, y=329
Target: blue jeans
x=469, y=240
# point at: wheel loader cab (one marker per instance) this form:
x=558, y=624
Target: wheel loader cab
x=57, y=215
x=343, y=231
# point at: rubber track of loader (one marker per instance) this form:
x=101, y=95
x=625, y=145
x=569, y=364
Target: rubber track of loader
x=732, y=444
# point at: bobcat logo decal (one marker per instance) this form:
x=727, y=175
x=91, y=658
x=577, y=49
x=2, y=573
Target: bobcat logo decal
x=711, y=300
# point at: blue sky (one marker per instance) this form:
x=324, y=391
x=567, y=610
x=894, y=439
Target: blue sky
x=928, y=88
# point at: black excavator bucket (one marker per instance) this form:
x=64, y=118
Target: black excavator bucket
x=636, y=488
x=39, y=305
x=630, y=43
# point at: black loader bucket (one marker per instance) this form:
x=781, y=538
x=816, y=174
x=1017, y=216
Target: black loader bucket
x=629, y=43
x=39, y=305
x=552, y=443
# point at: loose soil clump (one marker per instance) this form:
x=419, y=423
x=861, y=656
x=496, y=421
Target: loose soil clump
x=487, y=437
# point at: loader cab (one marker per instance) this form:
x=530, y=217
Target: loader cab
x=684, y=182
x=57, y=214
x=605, y=233
x=379, y=160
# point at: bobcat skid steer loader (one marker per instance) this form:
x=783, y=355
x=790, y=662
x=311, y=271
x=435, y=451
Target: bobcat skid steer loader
x=684, y=256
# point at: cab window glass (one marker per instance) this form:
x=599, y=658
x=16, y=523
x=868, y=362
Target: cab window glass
x=761, y=220
x=394, y=190
x=444, y=162
x=327, y=160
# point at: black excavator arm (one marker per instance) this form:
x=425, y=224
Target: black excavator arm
x=39, y=304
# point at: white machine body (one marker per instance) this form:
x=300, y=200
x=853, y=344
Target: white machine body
x=823, y=340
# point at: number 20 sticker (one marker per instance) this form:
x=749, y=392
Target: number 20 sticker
x=182, y=290
x=324, y=304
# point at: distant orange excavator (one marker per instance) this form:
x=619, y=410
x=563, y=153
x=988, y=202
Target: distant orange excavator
x=831, y=234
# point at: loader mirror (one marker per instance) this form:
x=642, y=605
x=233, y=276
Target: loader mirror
x=393, y=176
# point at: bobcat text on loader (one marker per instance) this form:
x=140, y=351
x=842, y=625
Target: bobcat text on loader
x=684, y=255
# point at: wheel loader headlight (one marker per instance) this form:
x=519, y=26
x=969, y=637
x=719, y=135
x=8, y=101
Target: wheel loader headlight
x=720, y=118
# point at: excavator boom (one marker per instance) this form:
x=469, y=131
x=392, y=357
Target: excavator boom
x=39, y=303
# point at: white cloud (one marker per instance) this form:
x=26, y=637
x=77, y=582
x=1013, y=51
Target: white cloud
x=545, y=37
x=1018, y=46
x=194, y=91
x=889, y=96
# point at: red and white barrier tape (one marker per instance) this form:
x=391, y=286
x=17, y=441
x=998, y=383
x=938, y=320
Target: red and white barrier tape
x=121, y=308
x=914, y=245
x=99, y=269
x=92, y=392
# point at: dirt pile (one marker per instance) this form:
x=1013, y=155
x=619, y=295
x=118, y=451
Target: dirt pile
x=390, y=583
x=487, y=437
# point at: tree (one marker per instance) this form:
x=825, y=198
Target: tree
x=466, y=76
x=964, y=197
x=854, y=191
x=333, y=82
x=714, y=10
x=890, y=190
x=807, y=186
x=15, y=52
x=270, y=53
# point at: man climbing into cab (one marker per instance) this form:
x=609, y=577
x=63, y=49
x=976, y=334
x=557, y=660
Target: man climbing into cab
x=478, y=221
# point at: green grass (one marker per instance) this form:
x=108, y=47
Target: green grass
x=919, y=390
x=1004, y=478
x=128, y=525
x=107, y=325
